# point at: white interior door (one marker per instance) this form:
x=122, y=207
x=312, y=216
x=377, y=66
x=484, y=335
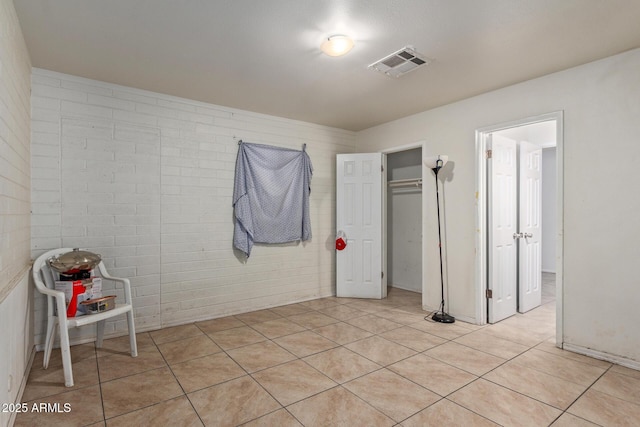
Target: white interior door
x=502, y=185
x=529, y=243
x=359, y=266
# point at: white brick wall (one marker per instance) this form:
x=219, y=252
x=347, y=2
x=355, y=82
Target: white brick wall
x=146, y=180
x=14, y=150
x=16, y=341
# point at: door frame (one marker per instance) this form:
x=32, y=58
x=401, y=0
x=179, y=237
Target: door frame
x=481, y=214
x=419, y=144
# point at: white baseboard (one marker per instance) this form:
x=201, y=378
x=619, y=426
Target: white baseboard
x=618, y=360
x=549, y=271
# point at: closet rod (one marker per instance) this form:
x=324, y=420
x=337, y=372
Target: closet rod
x=415, y=182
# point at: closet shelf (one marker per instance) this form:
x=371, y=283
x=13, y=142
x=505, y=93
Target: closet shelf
x=415, y=182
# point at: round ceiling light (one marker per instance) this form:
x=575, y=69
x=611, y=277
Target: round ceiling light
x=337, y=45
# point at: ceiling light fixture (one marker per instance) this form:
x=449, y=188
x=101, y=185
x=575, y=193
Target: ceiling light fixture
x=337, y=45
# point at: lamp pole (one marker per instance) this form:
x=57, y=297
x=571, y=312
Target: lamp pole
x=441, y=317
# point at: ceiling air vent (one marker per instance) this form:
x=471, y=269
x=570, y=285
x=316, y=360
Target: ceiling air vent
x=400, y=62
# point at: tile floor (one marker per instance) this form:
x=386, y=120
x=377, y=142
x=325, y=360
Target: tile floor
x=339, y=362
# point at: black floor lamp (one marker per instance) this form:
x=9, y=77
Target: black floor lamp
x=436, y=163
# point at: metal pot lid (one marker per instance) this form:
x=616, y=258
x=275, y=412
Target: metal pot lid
x=74, y=261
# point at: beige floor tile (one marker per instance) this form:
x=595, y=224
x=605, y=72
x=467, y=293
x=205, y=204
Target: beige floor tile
x=619, y=385
x=568, y=420
x=447, y=413
x=515, y=334
x=279, y=418
x=338, y=407
x=277, y=328
x=483, y=341
x=293, y=381
x=312, y=319
x=178, y=410
x=388, y=303
x=120, y=345
x=145, y=390
x=220, y=324
x=415, y=309
x=291, y=309
x=342, y=312
x=366, y=305
x=337, y=300
x=465, y=358
x=305, y=343
x=504, y=406
x=322, y=303
x=443, y=330
x=548, y=298
x=259, y=316
x=625, y=371
x=341, y=365
x=409, y=296
x=432, y=374
x=78, y=353
x=175, y=333
x=374, y=324
x=544, y=327
x=400, y=316
x=233, y=402
x=84, y=407
x=236, y=337
x=606, y=410
x=550, y=347
x=46, y=382
x=537, y=385
x=262, y=355
x=138, y=391
x=393, y=395
x=576, y=372
x=348, y=300
x=120, y=365
x=413, y=338
x=342, y=333
x=380, y=350
x=206, y=371
x=188, y=348
x=471, y=326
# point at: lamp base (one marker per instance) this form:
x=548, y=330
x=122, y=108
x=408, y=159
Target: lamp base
x=443, y=318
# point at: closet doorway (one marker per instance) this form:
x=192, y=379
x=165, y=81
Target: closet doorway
x=380, y=252
x=404, y=219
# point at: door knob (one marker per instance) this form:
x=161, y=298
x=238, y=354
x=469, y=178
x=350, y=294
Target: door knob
x=522, y=235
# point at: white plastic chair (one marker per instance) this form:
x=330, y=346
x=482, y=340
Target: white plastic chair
x=44, y=277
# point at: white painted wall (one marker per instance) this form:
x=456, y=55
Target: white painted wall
x=601, y=103
x=549, y=207
x=404, y=222
x=146, y=180
x=16, y=339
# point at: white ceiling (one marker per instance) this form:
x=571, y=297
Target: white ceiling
x=263, y=55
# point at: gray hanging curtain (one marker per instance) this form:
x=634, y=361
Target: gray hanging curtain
x=271, y=196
